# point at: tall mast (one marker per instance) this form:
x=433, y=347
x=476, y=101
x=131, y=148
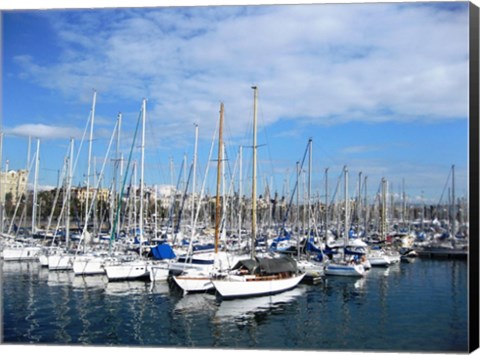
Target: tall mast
x=404, y=204
x=345, y=171
x=69, y=192
x=90, y=155
x=193, y=180
x=116, y=165
x=35, y=187
x=326, y=204
x=359, y=203
x=254, y=170
x=142, y=172
x=309, y=187
x=240, y=193
x=366, y=208
x=297, y=195
x=219, y=166
x=156, y=211
x=384, y=209
x=453, y=202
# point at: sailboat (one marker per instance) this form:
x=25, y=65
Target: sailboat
x=92, y=262
x=257, y=276
x=344, y=267
x=26, y=251
x=199, y=268
x=128, y=267
x=59, y=259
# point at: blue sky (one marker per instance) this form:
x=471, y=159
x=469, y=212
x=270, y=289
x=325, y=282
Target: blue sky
x=381, y=88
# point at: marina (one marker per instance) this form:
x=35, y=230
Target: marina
x=240, y=177
x=268, y=270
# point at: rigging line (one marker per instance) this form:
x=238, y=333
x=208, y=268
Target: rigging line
x=119, y=205
x=95, y=192
x=336, y=189
x=293, y=192
x=173, y=198
x=445, y=187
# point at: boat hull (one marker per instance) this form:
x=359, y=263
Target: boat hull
x=60, y=262
x=194, y=282
x=135, y=270
x=19, y=254
x=352, y=270
x=89, y=265
x=158, y=272
x=240, y=286
x=379, y=261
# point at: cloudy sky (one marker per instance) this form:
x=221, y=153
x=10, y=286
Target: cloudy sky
x=380, y=88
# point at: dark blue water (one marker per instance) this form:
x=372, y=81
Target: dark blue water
x=420, y=306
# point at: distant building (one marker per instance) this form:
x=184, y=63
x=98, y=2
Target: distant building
x=13, y=182
x=81, y=194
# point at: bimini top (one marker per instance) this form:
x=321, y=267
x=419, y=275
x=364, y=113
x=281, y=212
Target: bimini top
x=267, y=266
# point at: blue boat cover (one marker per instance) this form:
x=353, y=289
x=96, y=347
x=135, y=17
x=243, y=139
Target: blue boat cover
x=163, y=251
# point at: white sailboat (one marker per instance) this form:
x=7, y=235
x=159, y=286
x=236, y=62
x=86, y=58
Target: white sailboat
x=344, y=267
x=92, y=263
x=257, y=276
x=19, y=251
x=121, y=269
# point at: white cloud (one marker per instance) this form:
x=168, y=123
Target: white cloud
x=356, y=149
x=43, y=131
x=324, y=63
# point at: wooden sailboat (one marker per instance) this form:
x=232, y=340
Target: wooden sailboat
x=196, y=277
x=257, y=275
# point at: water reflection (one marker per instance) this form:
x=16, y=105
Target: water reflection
x=126, y=288
x=195, y=303
x=89, y=282
x=159, y=288
x=60, y=278
x=241, y=309
x=20, y=267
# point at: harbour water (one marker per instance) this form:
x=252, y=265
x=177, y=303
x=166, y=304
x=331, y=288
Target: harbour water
x=418, y=306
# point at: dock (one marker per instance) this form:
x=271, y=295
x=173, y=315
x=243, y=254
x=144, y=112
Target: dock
x=446, y=253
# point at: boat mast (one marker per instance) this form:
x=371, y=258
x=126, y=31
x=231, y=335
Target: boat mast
x=69, y=194
x=297, y=219
x=309, y=187
x=326, y=204
x=193, y=182
x=359, y=204
x=219, y=165
x=365, y=221
x=35, y=187
x=453, y=202
x=116, y=165
x=254, y=171
x=384, y=209
x=90, y=156
x=142, y=172
x=345, y=171
x=240, y=194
